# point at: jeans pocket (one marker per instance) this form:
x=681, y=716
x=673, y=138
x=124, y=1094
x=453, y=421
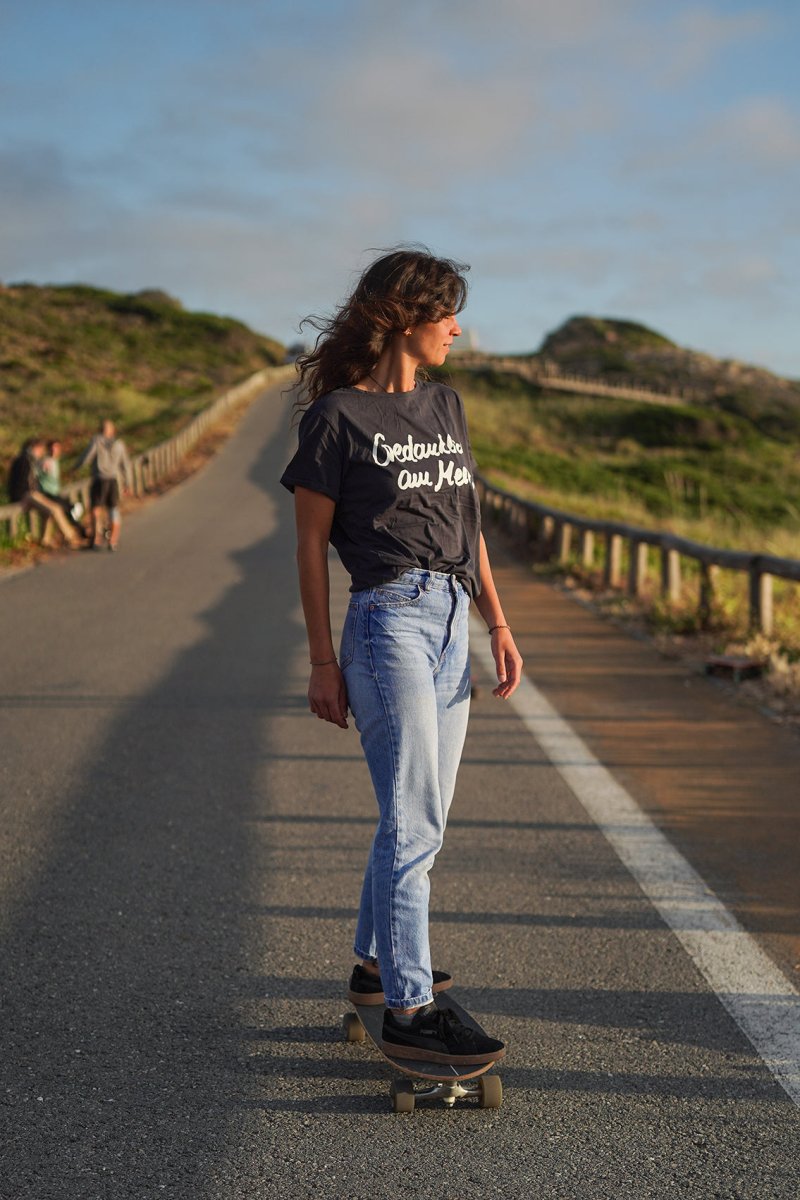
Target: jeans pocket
x=396, y=594
x=347, y=645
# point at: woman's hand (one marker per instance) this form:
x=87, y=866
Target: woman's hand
x=327, y=695
x=508, y=661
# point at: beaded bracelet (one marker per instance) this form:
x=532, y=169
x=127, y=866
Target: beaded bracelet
x=326, y=663
x=499, y=627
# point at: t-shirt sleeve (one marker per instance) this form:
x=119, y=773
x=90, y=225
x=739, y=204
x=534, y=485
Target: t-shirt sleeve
x=319, y=461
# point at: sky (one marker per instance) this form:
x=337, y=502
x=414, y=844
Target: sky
x=623, y=158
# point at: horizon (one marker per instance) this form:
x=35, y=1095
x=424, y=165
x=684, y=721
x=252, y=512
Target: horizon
x=458, y=347
x=638, y=163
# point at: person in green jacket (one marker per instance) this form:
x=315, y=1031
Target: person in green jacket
x=48, y=470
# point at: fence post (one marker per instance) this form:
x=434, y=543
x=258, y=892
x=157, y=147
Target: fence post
x=637, y=567
x=760, y=599
x=587, y=547
x=708, y=575
x=546, y=529
x=521, y=530
x=670, y=573
x=613, y=561
x=563, y=540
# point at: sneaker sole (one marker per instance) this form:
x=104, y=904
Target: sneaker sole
x=421, y=1054
x=380, y=998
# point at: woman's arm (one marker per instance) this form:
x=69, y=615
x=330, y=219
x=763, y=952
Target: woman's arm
x=327, y=696
x=506, y=656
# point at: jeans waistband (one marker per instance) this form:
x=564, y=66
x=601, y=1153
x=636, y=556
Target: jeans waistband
x=429, y=579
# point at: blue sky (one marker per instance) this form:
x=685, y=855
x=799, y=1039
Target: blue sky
x=628, y=158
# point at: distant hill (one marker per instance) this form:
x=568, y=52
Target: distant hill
x=624, y=352
x=71, y=355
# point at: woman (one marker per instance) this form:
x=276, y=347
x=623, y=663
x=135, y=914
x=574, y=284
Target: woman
x=384, y=472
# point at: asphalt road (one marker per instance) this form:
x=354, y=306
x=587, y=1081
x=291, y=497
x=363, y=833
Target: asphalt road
x=182, y=845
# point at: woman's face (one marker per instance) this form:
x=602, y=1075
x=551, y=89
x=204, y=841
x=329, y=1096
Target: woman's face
x=430, y=341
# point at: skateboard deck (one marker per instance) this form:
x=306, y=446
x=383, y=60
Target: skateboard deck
x=434, y=1080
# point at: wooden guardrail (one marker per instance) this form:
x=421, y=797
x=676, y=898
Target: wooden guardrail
x=159, y=461
x=549, y=533
x=547, y=374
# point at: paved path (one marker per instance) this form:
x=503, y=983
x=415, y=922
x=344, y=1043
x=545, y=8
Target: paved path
x=181, y=851
x=719, y=778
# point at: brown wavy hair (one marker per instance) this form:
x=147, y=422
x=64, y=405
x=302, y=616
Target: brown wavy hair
x=400, y=289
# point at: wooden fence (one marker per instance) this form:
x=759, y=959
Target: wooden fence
x=548, y=533
x=155, y=464
x=546, y=374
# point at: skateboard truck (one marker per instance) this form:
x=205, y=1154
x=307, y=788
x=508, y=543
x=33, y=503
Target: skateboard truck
x=488, y=1089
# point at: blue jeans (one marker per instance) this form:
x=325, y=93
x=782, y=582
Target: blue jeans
x=405, y=660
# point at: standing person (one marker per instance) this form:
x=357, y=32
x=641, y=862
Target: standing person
x=111, y=470
x=24, y=488
x=384, y=471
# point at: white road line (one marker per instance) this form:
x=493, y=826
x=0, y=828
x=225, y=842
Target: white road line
x=759, y=997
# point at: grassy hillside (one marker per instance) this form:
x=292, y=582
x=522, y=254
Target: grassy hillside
x=723, y=469
x=70, y=356
x=697, y=469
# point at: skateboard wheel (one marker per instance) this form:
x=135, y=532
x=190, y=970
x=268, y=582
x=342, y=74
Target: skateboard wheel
x=490, y=1091
x=402, y=1093
x=353, y=1029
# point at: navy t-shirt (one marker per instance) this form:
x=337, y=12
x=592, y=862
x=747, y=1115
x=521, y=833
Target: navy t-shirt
x=400, y=469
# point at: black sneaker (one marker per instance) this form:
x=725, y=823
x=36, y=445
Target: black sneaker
x=437, y=1035
x=366, y=988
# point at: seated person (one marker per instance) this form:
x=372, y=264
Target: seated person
x=49, y=472
x=24, y=489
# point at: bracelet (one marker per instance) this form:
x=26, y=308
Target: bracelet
x=499, y=627
x=326, y=663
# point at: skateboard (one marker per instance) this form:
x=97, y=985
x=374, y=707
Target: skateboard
x=428, y=1080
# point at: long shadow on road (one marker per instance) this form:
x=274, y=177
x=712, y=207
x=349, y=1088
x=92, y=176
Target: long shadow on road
x=123, y=968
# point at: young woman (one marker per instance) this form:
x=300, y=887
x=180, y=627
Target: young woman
x=384, y=472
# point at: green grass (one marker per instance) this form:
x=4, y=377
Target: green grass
x=704, y=473
x=70, y=356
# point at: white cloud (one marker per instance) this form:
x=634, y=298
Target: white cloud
x=697, y=35
x=414, y=121
x=755, y=133
x=762, y=130
x=738, y=274
x=537, y=26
